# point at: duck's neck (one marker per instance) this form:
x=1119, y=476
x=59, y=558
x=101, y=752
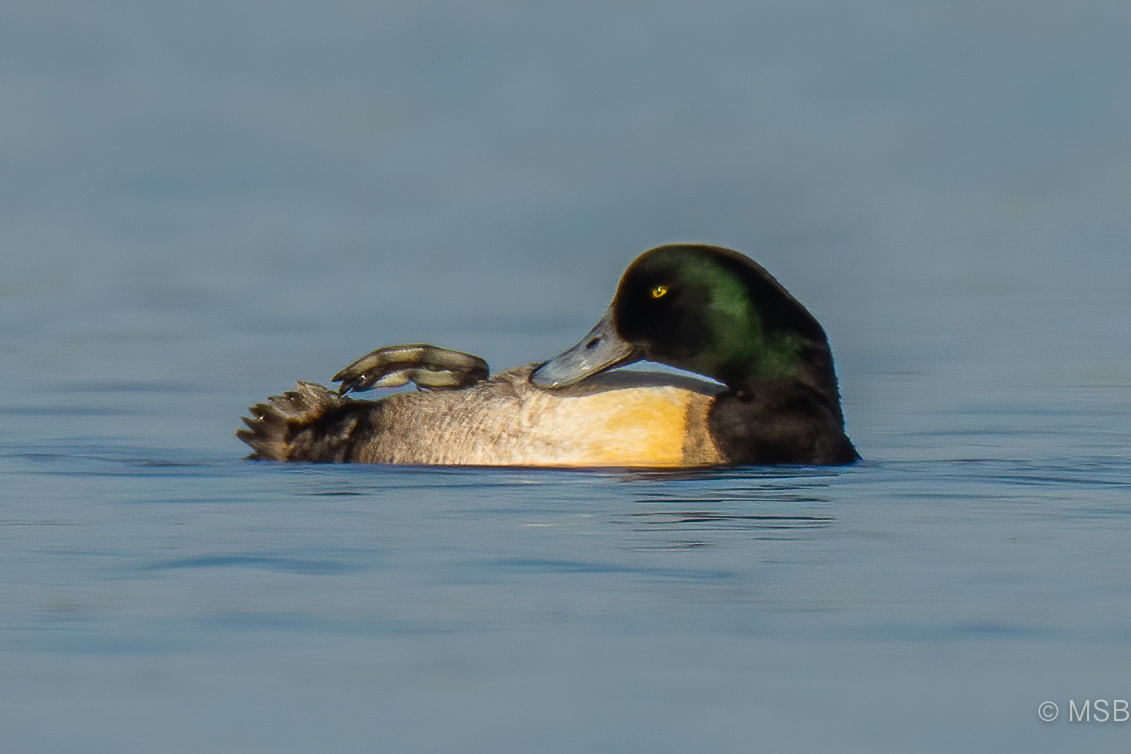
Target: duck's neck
x=789, y=358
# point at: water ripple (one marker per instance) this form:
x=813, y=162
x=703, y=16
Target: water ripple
x=317, y=567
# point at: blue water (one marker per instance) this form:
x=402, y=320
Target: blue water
x=201, y=203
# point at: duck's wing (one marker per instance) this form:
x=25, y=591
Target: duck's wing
x=428, y=367
x=312, y=423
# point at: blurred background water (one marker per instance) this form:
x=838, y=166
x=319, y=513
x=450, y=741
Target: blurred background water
x=201, y=203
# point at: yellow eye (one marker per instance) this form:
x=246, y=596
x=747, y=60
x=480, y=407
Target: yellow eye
x=659, y=291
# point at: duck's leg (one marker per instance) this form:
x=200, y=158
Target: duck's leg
x=426, y=366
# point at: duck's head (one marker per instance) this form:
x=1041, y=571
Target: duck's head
x=705, y=309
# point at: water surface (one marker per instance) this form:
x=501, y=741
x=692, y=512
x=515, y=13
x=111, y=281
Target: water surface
x=201, y=204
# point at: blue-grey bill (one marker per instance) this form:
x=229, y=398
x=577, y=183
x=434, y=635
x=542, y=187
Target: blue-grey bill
x=598, y=351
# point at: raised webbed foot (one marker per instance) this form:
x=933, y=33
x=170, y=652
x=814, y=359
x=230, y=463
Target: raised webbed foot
x=426, y=366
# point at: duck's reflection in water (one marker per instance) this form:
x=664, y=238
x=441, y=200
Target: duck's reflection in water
x=690, y=509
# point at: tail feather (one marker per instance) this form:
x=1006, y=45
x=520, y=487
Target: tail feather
x=309, y=423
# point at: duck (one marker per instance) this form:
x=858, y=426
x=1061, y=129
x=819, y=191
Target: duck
x=758, y=387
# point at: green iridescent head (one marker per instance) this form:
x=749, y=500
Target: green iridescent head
x=705, y=309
